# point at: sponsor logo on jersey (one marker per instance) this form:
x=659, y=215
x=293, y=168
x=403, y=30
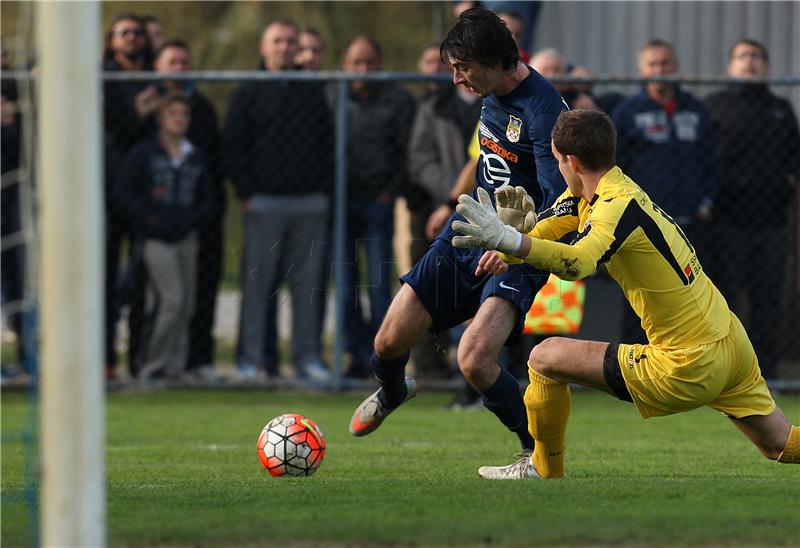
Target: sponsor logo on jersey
x=689, y=274
x=567, y=208
x=499, y=150
x=495, y=170
x=513, y=128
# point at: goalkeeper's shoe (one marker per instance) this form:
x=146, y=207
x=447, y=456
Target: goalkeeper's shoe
x=371, y=413
x=520, y=469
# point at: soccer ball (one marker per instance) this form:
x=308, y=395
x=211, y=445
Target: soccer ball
x=291, y=444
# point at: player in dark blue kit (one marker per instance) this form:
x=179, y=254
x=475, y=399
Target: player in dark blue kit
x=519, y=110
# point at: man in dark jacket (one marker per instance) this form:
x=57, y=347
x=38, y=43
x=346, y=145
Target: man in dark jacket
x=665, y=141
x=666, y=144
x=760, y=152
x=125, y=112
x=169, y=192
x=279, y=152
x=379, y=122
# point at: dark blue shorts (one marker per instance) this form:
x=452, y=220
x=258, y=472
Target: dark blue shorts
x=444, y=280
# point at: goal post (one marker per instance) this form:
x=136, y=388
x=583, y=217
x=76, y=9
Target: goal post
x=72, y=404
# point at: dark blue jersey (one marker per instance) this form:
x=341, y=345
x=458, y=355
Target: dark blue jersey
x=514, y=143
x=514, y=138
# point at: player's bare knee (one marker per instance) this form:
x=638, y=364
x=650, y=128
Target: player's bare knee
x=388, y=347
x=474, y=354
x=467, y=364
x=388, y=344
x=544, y=357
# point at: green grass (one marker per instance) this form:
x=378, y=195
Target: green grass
x=182, y=470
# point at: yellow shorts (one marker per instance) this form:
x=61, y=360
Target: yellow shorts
x=723, y=375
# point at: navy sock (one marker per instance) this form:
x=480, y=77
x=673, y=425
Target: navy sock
x=391, y=373
x=504, y=399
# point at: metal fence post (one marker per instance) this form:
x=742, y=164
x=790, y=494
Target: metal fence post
x=340, y=210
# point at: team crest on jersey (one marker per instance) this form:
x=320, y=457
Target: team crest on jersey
x=513, y=128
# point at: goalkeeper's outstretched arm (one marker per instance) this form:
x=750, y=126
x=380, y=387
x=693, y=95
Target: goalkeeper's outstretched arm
x=567, y=261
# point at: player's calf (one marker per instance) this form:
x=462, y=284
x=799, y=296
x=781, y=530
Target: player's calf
x=774, y=436
x=571, y=361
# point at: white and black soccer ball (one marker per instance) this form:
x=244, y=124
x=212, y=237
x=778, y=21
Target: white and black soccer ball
x=292, y=445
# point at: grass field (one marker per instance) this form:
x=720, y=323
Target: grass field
x=182, y=471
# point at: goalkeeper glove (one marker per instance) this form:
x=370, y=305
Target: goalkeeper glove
x=515, y=208
x=484, y=228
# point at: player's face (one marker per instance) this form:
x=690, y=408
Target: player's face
x=747, y=61
x=174, y=119
x=279, y=46
x=570, y=177
x=476, y=76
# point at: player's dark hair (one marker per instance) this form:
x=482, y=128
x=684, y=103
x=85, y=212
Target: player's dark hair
x=750, y=42
x=480, y=35
x=589, y=135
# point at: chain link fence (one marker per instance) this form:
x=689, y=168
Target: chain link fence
x=256, y=223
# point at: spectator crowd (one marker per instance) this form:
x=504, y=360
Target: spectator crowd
x=724, y=168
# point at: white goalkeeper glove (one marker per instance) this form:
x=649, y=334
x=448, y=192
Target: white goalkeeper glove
x=516, y=208
x=484, y=228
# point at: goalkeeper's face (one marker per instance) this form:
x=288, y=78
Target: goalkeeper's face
x=565, y=167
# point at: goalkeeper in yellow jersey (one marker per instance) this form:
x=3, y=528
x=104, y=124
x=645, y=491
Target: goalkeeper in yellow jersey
x=698, y=352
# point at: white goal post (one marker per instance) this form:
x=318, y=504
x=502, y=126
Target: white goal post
x=72, y=399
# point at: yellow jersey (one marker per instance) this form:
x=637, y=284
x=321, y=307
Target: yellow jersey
x=645, y=252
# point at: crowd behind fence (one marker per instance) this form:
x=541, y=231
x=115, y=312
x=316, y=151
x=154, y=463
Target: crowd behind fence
x=251, y=193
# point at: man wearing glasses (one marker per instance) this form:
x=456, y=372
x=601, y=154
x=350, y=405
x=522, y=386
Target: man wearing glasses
x=124, y=103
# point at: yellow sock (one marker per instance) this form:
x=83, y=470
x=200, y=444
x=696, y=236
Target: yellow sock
x=548, y=404
x=791, y=453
